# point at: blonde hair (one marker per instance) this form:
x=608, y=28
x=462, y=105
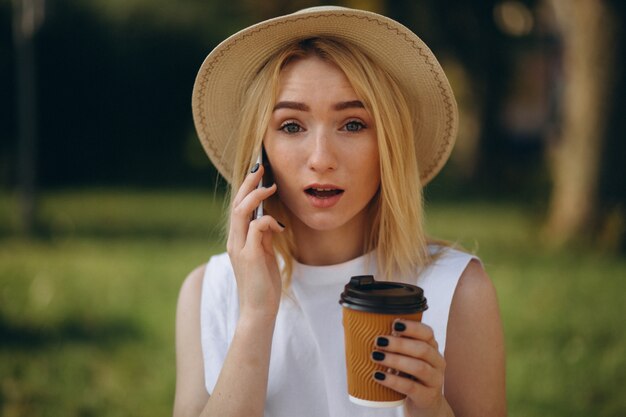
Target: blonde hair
x=396, y=230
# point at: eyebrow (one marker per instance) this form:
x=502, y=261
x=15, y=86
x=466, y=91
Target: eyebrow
x=294, y=105
x=354, y=104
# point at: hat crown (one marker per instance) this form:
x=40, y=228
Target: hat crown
x=321, y=9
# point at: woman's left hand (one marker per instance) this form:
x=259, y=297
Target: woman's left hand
x=412, y=351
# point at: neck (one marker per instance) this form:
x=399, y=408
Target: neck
x=330, y=247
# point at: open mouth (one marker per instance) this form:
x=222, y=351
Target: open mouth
x=323, y=192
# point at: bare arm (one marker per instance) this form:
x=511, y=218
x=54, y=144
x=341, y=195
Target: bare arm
x=242, y=384
x=245, y=369
x=475, y=357
x=191, y=395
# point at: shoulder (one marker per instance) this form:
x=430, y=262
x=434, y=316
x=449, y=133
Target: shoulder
x=475, y=376
x=188, y=308
x=475, y=299
x=208, y=291
x=444, y=269
x=216, y=269
x=218, y=265
x=443, y=254
x=474, y=284
x=192, y=285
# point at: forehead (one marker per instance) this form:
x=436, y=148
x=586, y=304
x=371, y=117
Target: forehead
x=313, y=73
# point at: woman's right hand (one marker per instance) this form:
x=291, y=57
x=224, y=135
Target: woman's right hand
x=251, y=251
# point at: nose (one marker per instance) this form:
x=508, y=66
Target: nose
x=322, y=156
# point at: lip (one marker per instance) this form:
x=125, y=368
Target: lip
x=325, y=202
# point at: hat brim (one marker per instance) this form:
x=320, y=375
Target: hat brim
x=229, y=68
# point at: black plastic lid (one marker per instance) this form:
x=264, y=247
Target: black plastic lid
x=364, y=293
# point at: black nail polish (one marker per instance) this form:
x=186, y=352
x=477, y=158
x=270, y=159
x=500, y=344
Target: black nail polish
x=399, y=326
x=382, y=341
x=280, y=224
x=255, y=168
x=379, y=376
x=378, y=356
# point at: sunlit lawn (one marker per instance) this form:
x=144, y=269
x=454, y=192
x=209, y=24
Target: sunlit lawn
x=87, y=311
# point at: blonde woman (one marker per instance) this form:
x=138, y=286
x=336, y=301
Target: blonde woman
x=354, y=115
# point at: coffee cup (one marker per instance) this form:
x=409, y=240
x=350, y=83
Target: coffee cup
x=369, y=309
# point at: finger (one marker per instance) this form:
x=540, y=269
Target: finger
x=413, y=348
x=258, y=232
x=416, y=368
x=418, y=393
x=415, y=330
x=251, y=201
x=240, y=216
x=249, y=183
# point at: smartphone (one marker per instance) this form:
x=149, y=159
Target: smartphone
x=258, y=212
x=266, y=180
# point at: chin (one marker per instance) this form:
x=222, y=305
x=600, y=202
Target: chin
x=324, y=222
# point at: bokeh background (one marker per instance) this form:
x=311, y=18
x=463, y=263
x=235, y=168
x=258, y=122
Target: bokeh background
x=107, y=200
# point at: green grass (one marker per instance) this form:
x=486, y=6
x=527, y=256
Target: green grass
x=87, y=312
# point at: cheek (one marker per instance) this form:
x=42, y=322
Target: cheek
x=370, y=165
x=283, y=164
x=370, y=184
x=372, y=180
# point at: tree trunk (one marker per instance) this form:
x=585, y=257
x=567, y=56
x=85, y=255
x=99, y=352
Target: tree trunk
x=27, y=16
x=588, y=36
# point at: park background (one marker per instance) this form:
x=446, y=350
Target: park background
x=107, y=200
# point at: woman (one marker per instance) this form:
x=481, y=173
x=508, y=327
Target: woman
x=354, y=115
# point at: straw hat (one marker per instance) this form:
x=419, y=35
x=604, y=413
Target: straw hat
x=229, y=68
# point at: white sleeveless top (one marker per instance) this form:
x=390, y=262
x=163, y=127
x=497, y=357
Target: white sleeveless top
x=307, y=375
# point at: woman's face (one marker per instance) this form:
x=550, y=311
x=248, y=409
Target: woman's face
x=321, y=144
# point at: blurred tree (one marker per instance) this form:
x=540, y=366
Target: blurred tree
x=588, y=31
x=259, y=11
x=115, y=79
x=377, y=6
x=27, y=18
x=477, y=57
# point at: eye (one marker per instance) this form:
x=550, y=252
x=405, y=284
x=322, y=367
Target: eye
x=291, y=127
x=354, y=126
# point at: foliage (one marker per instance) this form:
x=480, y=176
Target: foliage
x=87, y=313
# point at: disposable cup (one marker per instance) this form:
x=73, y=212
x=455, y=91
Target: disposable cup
x=369, y=310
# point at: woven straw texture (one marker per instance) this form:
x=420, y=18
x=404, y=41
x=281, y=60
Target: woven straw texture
x=229, y=68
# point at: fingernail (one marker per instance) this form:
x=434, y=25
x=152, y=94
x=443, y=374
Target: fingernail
x=382, y=341
x=379, y=376
x=399, y=326
x=255, y=168
x=378, y=356
x=280, y=224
